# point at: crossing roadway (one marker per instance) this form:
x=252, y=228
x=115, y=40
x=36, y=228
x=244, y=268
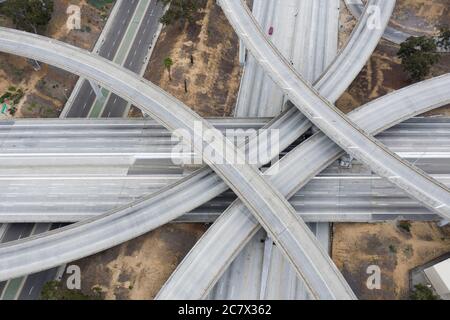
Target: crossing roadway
x=267, y=204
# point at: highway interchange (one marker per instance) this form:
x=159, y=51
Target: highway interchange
x=115, y=42
x=318, y=23
x=276, y=216
x=127, y=41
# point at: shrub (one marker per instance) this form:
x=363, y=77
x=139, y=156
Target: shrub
x=418, y=55
x=422, y=292
x=179, y=10
x=28, y=15
x=405, y=225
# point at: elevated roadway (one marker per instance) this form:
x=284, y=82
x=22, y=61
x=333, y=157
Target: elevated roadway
x=82, y=99
x=309, y=53
x=203, y=177
x=127, y=40
x=272, y=210
x=205, y=264
x=326, y=198
x=46, y=148
x=138, y=51
x=356, y=7
x=306, y=33
x=329, y=119
x=333, y=83
x=27, y=287
x=53, y=197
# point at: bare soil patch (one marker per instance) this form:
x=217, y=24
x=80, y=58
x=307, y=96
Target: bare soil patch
x=138, y=269
x=357, y=246
x=383, y=74
x=396, y=252
x=346, y=24
x=144, y=264
x=421, y=17
x=49, y=83
x=213, y=79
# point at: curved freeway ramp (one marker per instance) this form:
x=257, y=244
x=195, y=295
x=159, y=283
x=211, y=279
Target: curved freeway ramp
x=143, y=216
x=336, y=125
x=285, y=123
x=351, y=49
x=356, y=7
x=66, y=193
x=293, y=117
x=204, y=265
x=271, y=209
x=213, y=186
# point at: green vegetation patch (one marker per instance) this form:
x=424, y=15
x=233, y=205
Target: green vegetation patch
x=13, y=96
x=405, y=226
x=180, y=10
x=28, y=15
x=54, y=290
x=100, y=4
x=422, y=292
x=418, y=55
x=444, y=38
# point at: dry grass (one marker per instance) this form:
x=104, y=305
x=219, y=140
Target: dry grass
x=395, y=251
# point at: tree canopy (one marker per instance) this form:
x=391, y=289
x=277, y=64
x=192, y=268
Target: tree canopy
x=168, y=63
x=55, y=290
x=422, y=292
x=418, y=55
x=444, y=38
x=179, y=10
x=28, y=15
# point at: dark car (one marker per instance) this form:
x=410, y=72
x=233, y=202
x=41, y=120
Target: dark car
x=270, y=31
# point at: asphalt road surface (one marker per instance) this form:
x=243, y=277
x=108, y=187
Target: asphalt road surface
x=85, y=98
x=116, y=106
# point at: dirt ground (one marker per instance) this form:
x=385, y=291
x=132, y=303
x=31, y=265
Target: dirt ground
x=420, y=17
x=417, y=17
x=144, y=264
x=214, y=77
x=383, y=73
x=394, y=250
x=137, y=269
x=356, y=246
x=346, y=24
x=47, y=90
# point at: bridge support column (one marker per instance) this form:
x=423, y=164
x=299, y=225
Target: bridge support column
x=268, y=247
x=97, y=89
x=443, y=223
x=242, y=53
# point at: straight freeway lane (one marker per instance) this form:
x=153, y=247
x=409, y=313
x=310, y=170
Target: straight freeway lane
x=86, y=96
